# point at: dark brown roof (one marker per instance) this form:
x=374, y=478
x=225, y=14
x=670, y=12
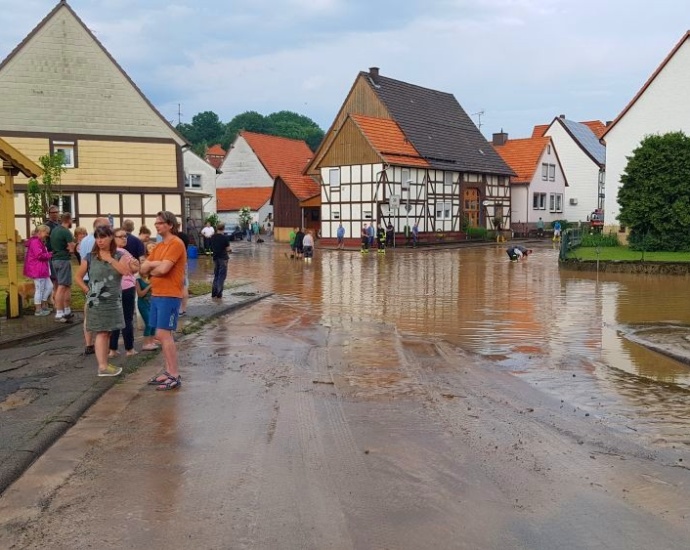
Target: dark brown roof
x=438, y=127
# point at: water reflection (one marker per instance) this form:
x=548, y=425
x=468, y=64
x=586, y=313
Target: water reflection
x=532, y=316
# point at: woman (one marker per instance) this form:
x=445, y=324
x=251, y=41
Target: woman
x=129, y=299
x=37, y=267
x=106, y=267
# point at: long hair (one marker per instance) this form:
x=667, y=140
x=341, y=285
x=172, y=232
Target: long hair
x=169, y=218
x=103, y=231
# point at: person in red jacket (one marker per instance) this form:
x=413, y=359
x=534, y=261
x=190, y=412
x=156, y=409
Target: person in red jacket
x=37, y=267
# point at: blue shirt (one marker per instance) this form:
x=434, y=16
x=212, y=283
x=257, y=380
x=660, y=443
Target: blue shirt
x=341, y=232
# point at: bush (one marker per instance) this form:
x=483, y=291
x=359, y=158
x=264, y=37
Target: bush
x=600, y=239
x=477, y=232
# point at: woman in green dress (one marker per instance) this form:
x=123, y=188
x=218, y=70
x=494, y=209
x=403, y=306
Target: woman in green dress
x=105, y=266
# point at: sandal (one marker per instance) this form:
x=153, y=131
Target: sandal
x=155, y=380
x=171, y=383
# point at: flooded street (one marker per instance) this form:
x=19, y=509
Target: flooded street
x=430, y=399
x=563, y=331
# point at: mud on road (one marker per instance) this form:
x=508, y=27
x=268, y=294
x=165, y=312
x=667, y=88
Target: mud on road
x=290, y=433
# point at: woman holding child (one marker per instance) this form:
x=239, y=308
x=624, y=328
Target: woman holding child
x=106, y=267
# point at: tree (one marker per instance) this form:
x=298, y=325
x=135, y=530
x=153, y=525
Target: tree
x=205, y=128
x=654, y=197
x=245, y=217
x=250, y=121
x=42, y=195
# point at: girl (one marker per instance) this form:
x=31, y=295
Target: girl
x=144, y=305
x=106, y=267
x=129, y=298
x=37, y=267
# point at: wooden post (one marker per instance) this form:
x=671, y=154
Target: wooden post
x=10, y=237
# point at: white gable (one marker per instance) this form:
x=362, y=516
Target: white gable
x=581, y=172
x=661, y=108
x=242, y=168
x=61, y=80
x=199, y=172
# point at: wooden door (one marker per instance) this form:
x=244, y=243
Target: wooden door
x=471, y=206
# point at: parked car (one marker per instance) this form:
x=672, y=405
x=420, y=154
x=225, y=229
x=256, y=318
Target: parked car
x=235, y=234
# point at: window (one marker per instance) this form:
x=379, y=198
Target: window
x=552, y=172
x=193, y=181
x=334, y=177
x=443, y=210
x=448, y=182
x=556, y=202
x=539, y=201
x=68, y=150
x=544, y=172
x=548, y=149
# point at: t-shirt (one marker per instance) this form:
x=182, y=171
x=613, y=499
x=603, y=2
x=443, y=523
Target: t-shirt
x=170, y=284
x=185, y=238
x=134, y=246
x=208, y=232
x=60, y=237
x=219, y=244
x=52, y=225
x=292, y=238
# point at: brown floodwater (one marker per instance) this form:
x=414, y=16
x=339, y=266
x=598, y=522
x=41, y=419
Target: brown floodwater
x=561, y=330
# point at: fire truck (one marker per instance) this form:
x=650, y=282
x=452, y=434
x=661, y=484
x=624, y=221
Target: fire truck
x=596, y=220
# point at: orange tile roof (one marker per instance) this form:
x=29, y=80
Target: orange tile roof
x=523, y=155
x=540, y=130
x=239, y=197
x=279, y=155
x=389, y=141
x=216, y=150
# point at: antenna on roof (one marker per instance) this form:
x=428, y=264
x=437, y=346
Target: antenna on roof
x=479, y=116
x=179, y=113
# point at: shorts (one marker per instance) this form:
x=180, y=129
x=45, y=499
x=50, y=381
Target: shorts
x=164, y=312
x=63, y=272
x=308, y=251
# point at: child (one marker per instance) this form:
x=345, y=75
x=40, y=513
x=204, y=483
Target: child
x=144, y=306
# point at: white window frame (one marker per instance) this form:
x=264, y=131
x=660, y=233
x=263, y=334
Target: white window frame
x=552, y=172
x=189, y=184
x=334, y=177
x=539, y=201
x=68, y=149
x=544, y=172
x=444, y=210
x=556, y=202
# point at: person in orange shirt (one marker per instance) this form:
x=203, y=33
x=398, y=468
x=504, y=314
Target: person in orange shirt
x=166, y=268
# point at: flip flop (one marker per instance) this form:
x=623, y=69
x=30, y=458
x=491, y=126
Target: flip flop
x=155, y=382
x=171, y=383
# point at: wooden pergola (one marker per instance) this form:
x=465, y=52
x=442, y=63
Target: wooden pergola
x=13, y=163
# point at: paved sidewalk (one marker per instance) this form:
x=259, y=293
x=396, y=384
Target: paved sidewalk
x=46, y=383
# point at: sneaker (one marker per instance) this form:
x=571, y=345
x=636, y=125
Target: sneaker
x=61, y=319
x=182, y=314
x=110, y=370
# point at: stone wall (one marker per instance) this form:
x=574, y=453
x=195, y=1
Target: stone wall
x=639, y=267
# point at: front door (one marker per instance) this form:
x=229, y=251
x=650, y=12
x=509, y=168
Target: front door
x=471, y=206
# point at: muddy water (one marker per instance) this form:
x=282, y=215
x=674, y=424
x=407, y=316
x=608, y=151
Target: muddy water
x=561, y=331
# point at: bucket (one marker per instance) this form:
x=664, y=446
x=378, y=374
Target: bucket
x=193, y=252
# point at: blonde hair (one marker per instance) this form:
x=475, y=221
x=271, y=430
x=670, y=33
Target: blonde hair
x=80, y=231
x=40, y=228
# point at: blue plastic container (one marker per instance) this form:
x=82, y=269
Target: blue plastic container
x=192, y=252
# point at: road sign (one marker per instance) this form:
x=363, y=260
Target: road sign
x=394, y=202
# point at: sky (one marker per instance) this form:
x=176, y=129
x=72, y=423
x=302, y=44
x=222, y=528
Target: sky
x=517, y=62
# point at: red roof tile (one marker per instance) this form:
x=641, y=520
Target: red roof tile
x=216, y=150
x=239, y=197
x=389, y=141
x=523, y=155
x=279, y=155
x=540, y=130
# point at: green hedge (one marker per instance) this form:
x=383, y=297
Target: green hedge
x=600, y=239
x=477, y=232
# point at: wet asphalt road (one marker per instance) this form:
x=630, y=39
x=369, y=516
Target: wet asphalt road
x=292, y=434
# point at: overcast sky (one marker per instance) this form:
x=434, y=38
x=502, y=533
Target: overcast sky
x=521, y=62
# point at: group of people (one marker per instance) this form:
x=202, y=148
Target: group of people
x=115, y=268
x=301, y=244
x=384, y=236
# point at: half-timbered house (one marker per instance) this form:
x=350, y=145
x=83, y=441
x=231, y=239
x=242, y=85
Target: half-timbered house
x=402, y=154
x=60, y=90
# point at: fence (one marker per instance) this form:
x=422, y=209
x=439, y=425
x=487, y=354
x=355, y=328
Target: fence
x=570, y=239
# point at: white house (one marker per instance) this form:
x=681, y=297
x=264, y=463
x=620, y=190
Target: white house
x=583, y=159
x=661, y=106
x=199, y=187
x=539, y=186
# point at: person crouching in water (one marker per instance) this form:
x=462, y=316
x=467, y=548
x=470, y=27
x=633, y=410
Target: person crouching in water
x=308, y=246
x=518, y=252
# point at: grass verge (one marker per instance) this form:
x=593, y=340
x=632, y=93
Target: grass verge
x=623, y=253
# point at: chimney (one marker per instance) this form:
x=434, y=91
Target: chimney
x=374, y=73
x=561, y=117
x=500, y=138
x=609, y=122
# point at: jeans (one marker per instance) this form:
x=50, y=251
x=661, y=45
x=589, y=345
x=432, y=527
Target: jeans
x=128, y=304
x=220, y=273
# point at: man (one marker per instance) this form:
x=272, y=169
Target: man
x=365, y=239
x=134, y=245
x=370, y=234
x=207, y=232
x=62, y=244
x=340, y=234
x=86, y=247
x=292, y=236
x=518, y=252
x=220, y=246
x=557, y=231
x=415, y=234
x=540, y=228
x=166, y=266
x=52, y=222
